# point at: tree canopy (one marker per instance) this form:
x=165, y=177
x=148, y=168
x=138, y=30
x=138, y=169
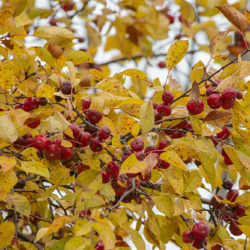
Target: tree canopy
x=154, y=154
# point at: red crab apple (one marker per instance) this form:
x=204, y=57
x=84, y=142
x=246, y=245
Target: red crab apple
x=194, y=107
x=94, y=116
x=200, y=230
x=104, y=133
x=41, y=142
x=167, y=97
x=66, y=87
x=53, y=152
x=232, y=195
x=137, y=145
x=187, y=236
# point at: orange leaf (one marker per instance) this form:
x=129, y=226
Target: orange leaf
x=234, y=16
x=218, y=117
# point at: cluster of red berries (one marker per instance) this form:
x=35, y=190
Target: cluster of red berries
x=184, y=125
x=163, y=109
x=197, y=236
x=226, y=100
x=230, y=214
x=24, y=141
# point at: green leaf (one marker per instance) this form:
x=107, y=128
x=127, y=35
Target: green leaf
x=82, y=227
x=77, y=242
x=34, y=167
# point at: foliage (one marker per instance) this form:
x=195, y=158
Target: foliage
x=92, y=159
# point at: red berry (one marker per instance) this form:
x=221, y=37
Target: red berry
x=226, y=158
x=19, y=143
x=76, y=130
x=140, y=155
x=227, y=105
x=96, y=145
x=183, y=124
x=216, y=203
x=113, y=169
x=214, y=101
x=210, y=91
x=227, y=184
x=167, y=97
x=155, y=105
x=137, y=145
x=67, y=154
x=195, y=108
x=234, y=229
x=85, y=104
x=34, y=124
x=52, y=21
x=162, y=64
x=94, y=116
x=84, y=139
x=157, y=115
x=163, y=164
x=69, y=5
x=181, y=19
x=150, y=149
x=66, y=87
x=43, y=101
x=164, y=109
x=225, y=132
x=104, y=133
x=126, y=153
x=187, y=236
x=229, y=95
x=146, y=178
x=28, y=142
x=99, y=245
x=197, y=243
x=239, y=95
x=216, y=247
x=53, y=152
x=200, y=230
x=105, y=177
x=18, y=106
x=232, y=195
x=81, y=167
x=41, y=142
x=177, y=134
x=119, y=190
x=189, y=126
x=30, y=103
x=241, y=210
x=84, y=213
x=170, y=18
x=129, y=183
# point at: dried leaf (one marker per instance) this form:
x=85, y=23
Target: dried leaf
x=218, y=118
x=55, y=50
x=176, y=52
x=234, y=16
x=195, y=92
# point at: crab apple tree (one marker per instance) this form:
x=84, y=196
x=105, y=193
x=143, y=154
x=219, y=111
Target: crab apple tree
x=124, y=125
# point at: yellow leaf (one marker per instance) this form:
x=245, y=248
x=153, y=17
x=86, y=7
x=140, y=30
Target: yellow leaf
x=192, y=181
x=106, y=234
x=137, y=239
x=56, y=123
x=54, y=34
x=7, y=230
x=197, y=72
x=77, y=243
x=57, y=224
x=78, y=57
x=234, y=80
x=135, y=73
x=98, y=75
x=216, y=40
x=147, y=117
x=20, y=203
x=83, y=227
x=89, y=179
x=208, y=167
x=173, y=158
x=164, y=204
x=132, y=165
x=7, y=75
x=45, y=56
x=45, y=90
x=175, y=53
x=175, y=177
x=34, y=167
x=7, y=163
x=187, y=10
x=116, y=141
x=8, y=130
x=8, y=181
x=66, y=144
x=244, y=199
x=124, y=123
x=113, y=86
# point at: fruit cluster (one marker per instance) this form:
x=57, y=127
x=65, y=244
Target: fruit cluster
x=226, y=100
x=227, y=212
x=197, y=236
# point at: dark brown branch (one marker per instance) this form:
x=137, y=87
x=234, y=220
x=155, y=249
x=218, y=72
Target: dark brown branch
x=29, y=239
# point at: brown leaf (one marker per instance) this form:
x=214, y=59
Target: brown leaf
x=55, y=50
x=218, y=118
x=195, y=92
x=234, y=16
